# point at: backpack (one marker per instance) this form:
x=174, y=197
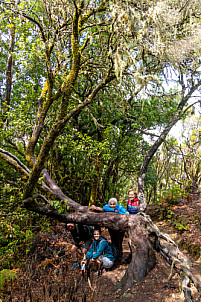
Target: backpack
x=115, y=251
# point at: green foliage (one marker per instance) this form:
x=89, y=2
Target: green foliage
x=177, y=164
x=59, y=205
x=180, y=224
x=170, y=215
x=17, y=231
x=6, y=275
x=180, y=227
x=104, y=141
x=15, y=238
x=18, y=226
x=171, y=196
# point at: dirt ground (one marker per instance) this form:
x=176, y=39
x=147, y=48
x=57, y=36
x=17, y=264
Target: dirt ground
x=46, y=275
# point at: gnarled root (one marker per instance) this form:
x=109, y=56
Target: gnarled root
x=178, y=261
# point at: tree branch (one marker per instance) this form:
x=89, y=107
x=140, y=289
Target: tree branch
x=158, y=142
x=55, y=131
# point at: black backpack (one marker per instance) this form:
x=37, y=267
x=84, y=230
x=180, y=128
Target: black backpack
x=115, y=251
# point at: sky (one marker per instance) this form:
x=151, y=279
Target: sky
x=177, y=130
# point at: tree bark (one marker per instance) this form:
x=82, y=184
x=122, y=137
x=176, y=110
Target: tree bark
x=95, y=182
x=139, y=227
x=6, y=103
x=141, y=232
x=143, y=255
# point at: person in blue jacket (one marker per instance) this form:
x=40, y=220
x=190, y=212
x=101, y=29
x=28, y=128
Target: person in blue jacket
x=100, y=251
x=113, y=206
x=116, y=236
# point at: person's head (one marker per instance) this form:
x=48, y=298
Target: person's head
x=112, y=203
x=132, y=194
x=97, y=234
x=70, y=226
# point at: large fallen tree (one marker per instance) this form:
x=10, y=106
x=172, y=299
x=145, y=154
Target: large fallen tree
x=145, y=239
x=152, y=50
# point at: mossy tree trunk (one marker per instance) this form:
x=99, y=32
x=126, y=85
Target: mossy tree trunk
x=95, y=183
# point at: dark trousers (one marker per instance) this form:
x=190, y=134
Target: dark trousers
x=117, y=239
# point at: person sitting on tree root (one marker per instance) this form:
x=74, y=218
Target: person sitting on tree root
x=116, y=236
x=83, y=237
x=100, y=252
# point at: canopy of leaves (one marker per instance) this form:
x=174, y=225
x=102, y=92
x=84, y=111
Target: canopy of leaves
x=86, y=81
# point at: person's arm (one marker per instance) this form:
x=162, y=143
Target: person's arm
x=107, y=208
x=95, y=208
x=89, y=253
x=102, y=245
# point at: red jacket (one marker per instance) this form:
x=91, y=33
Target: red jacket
x=132, y=206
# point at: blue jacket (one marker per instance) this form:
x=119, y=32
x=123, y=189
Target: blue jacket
x=119, y=209
x=100, y=247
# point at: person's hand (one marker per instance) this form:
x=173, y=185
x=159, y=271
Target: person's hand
x=116, y=211
x=81, y=242
x=95, y=208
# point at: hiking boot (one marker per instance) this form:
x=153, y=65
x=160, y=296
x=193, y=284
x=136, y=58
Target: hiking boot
x=75, y=264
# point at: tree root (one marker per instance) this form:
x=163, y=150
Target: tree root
x=90, y=286
x=144, y=237
x=178, y=261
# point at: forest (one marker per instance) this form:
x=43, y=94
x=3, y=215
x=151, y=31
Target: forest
x=90, y=93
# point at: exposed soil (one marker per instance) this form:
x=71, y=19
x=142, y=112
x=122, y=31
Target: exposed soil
x=46, y=276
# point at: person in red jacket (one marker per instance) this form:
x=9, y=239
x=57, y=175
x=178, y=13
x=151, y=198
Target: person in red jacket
x=133, y=202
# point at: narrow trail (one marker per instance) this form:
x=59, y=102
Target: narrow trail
x=154, y=286
x=47, y=276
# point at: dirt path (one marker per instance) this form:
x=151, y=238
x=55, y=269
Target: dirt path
x=152, y=288
x=45, y=280
x=47, y=276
